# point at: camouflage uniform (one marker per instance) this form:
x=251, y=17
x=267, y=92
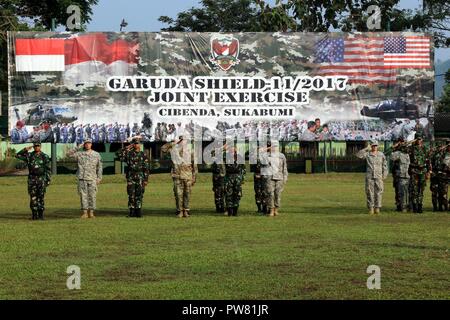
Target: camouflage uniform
x=234, y=178
x=218, y=174
x=439, y=180
x=137, y=173
x=89, y=173
x=183, y=176
x=418, y=168
x=376, y=172
x=277, y=175
x=39, y=173
x=400, y=171
x=396, y=180
x=259, y=187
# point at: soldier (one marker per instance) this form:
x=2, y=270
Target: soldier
x=137, y=174
x=234, y=178
x=39, y=173
x=395, y=173
x=277, y=175
x=184, y=173
x=400, y=171
x=438, y=180
x=258, y=187
x=419, y=172
x=89, y=175
x=218, y=175
x=376, y=172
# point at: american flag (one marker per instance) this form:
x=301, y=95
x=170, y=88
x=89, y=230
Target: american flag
x=371, y=59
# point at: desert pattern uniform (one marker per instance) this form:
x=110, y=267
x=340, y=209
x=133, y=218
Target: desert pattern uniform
x=39, y=175
x=401, y=158
x=418, y=168
x=376, y=172
x=218, y=175
x=234, y=178
x=137, y=174
x=183, y=176
x=276, y=181
x=89, y=171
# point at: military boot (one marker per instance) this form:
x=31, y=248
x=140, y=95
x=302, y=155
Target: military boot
x=377, y=211
x=41, y=214
x=419, y=208
x=186, y=213
x=272, y=212
x=180, y=214
x=131, y=214
x=414, y=208
x=84, y=214
x=235, y=211
x=91, y=213
x=435, y=205
x=230, y=211
x=258, y=205
x=371, y=211
x=138, y=213
x=275, y=211
x=34, y=215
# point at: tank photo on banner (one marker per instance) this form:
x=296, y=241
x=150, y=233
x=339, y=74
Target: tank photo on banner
x=108, y=87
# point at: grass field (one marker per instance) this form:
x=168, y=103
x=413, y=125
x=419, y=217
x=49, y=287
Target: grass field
x=319, y=247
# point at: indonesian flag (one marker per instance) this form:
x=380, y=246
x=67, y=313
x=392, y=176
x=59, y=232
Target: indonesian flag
x=87, y=58
x=40, y=55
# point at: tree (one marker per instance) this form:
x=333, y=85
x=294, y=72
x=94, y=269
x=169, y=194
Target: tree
x=444, y=102
x=22, y=15
x=217, y=16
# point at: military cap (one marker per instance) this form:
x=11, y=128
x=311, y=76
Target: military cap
x=36, y=144
x=373, y=142
x=87, y=141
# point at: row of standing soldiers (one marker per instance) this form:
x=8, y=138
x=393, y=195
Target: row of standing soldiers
x=413, y=164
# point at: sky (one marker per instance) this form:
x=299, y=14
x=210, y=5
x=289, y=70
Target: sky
x=142, y=15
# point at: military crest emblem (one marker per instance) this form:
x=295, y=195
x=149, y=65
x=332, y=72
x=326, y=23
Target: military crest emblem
x=224, y=51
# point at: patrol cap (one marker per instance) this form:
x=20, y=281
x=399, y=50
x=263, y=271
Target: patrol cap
x=36, y=144
x=373, y=142
x=87, y=141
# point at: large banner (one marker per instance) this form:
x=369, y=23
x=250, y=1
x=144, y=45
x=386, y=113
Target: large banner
x=295, y=86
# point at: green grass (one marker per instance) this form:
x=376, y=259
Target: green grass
x=319, y=247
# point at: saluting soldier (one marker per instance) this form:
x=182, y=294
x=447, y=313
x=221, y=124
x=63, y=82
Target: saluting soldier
x=401, y=171
x=184, y=174
x=258, y=187
x=439, y=178
x=276, y=178
x=89, y=175
x=395, y=174
x=234, y=178
x=39, y=174
x=376, y=172
x=419, y=172
x=137, y=174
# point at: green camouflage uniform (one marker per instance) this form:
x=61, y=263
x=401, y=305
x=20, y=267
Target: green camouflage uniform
x=402, y=178
x=234, y=178
x=137, y=173
x=39, y=174
x=376, y=172
x=396, y=181
x=439, y=180
x=259, y=187
x=218, y=174
x=89, y=172
x=418, y=169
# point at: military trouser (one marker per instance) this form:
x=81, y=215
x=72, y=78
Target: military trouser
x=396, y=184
x=135, y=191
x=219, y=191
x=182, y=191
x=274, y=190
x=434, y=188
x=87, y=189
x=36, y=190
x=439, y=192
x=258, y=187
x=374, y=192
x=418, y=184
x=233, y=190
x=403, y=192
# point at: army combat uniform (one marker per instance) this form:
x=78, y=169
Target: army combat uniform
x=376, y=172
x=218, y=175
x=418, y=169
x=89, y=173
x=137, y=174
x=234, y=178
x=439, y=180
x=183, y=176
x=401, y=158
x=39, y=174
x=277, y=178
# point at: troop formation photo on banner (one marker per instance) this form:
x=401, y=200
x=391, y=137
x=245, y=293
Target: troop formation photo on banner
x=224, y=158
